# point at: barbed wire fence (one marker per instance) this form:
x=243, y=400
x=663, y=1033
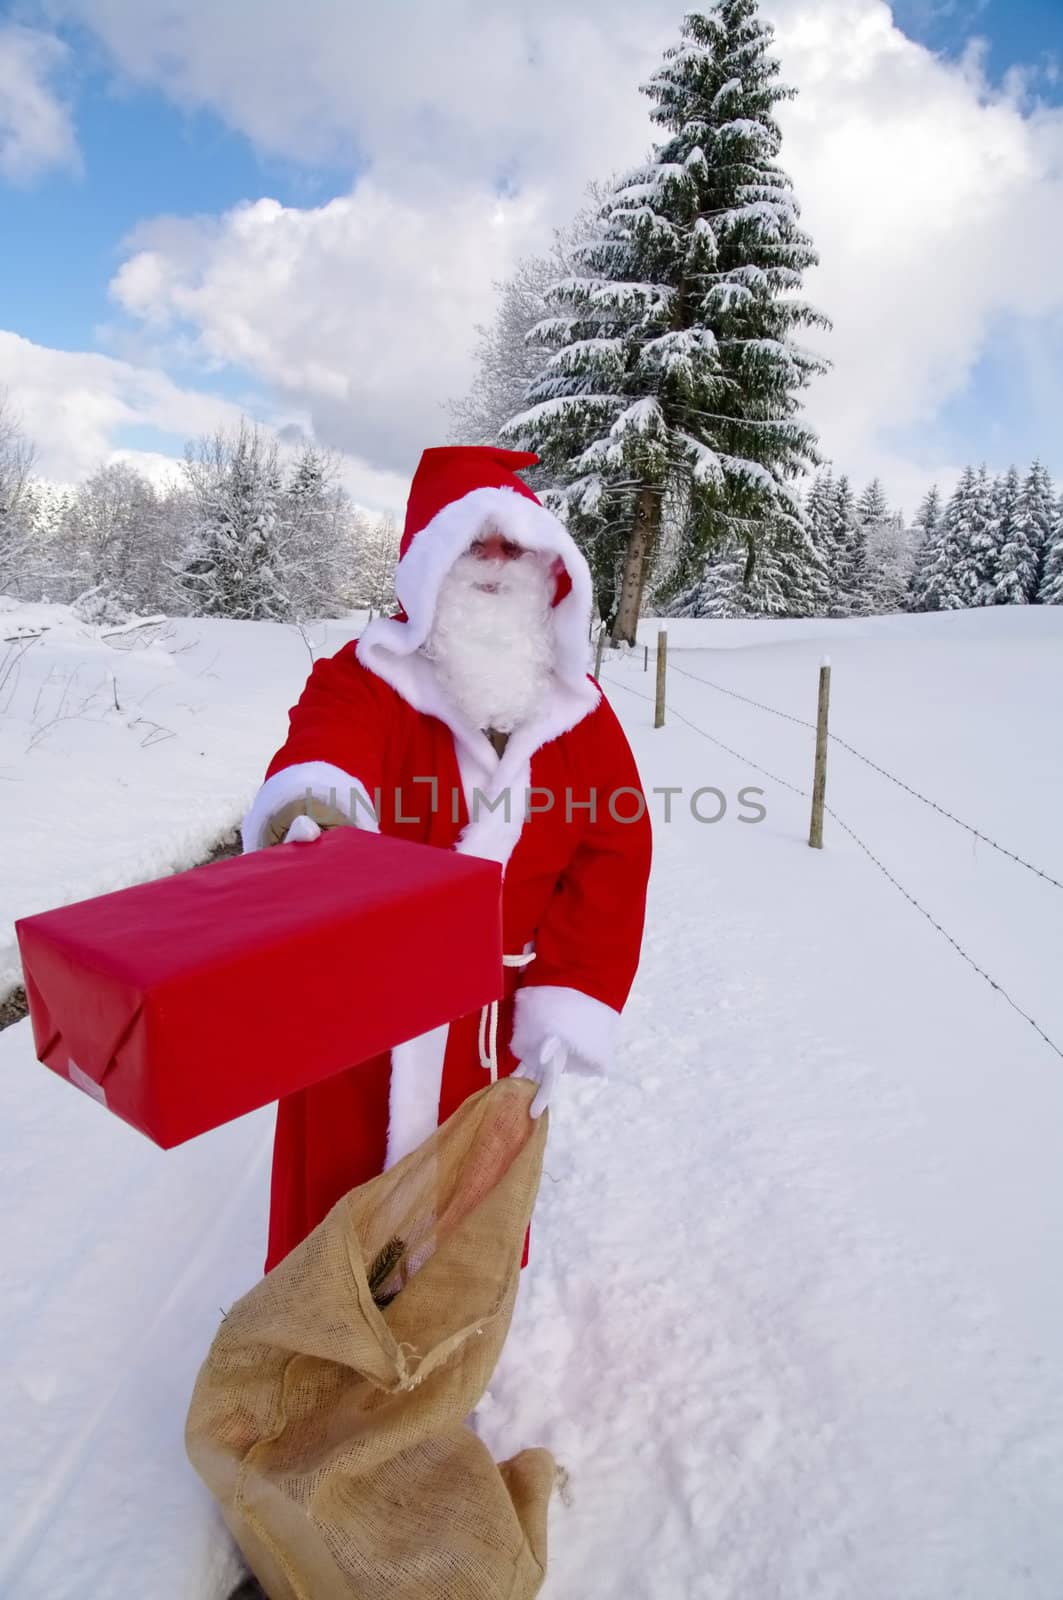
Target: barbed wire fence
x=884, y=772
x=856, y=838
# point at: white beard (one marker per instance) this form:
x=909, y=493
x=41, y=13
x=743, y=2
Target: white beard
x=494, y=652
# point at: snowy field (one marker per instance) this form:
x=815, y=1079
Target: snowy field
x=794, y=1319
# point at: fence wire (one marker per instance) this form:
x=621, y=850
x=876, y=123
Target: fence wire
x=804, y=794
x=844, y=744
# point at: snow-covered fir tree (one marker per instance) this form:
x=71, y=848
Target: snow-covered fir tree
x=778, y=577
x=925, y=535
x=674, y=383
x=872, y=505
x=232, y=566
x=845, y=552
x=949, y=581
x=1050, y=592
x=977, y=575
x=1022, y=559
x=998, y=588
x=872, y=517
x=313, y=536
x=725, y=589
x=926, y=520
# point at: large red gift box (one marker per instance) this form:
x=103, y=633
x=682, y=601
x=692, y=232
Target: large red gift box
x=186, y=1002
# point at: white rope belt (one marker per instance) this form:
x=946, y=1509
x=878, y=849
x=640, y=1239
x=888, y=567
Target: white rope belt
x=488, y=1035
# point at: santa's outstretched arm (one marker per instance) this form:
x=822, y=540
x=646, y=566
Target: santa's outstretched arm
x=587, y=946
x=330, y=764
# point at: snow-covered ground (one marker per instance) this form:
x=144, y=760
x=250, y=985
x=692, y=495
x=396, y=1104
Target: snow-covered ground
x=794, y=1320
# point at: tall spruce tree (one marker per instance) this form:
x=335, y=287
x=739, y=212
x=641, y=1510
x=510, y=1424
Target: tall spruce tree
x=1004, y=585
x=776, y=581
x=673, y=388
x=819, y=515
x=313, y=535
x=872, y=506
x=724, y=590
x=949, y=580
x=1050, y=592
x=1023, y=563
x=977, y=574
x=926, y=532
x=845, y=551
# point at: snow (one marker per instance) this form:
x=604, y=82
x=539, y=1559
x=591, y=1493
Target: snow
x=793, y=1322
x=732, y=86
x=726, y=294
x=759, y=476
x=770, y=214
x=559, y=406
x=643, y=416
x=745, y=128
x=707, y=467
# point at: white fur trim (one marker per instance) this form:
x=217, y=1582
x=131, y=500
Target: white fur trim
x=413, y=1102
x=434, y=550
x=390, y=649
x=329, y=784
x=588, y=1027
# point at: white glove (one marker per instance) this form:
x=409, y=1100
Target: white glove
x=545, y=1069
x=302, y=830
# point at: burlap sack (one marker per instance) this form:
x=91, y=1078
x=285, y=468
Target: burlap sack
x=333, y=1433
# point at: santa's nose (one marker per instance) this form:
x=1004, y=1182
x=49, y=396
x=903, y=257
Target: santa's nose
x=496, y=547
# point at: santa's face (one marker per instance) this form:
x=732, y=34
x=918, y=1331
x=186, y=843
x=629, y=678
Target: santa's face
x=496, y=547
x=492, y=638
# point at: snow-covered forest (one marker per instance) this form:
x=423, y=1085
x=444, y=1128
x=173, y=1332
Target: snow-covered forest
x=241, y=530
x=994, y=541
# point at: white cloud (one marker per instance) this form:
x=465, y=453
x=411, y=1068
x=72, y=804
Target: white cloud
x=937, y=206
x=360, y=311
x=423, y=92
x=36, y=132
x=937, y=209
x=74, y=406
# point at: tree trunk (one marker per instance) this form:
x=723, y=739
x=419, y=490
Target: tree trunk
x=640, y=548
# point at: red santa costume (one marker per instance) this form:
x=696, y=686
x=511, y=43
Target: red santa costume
x=376, y=733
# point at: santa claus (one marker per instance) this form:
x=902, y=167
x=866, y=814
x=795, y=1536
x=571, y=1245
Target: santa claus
x=468, y=721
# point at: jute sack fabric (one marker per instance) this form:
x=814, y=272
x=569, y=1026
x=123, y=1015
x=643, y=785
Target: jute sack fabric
x=332, y=1430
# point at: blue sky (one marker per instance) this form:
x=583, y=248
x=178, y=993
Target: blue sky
x=1018, y=33
x=156, y=137
x=140, y=155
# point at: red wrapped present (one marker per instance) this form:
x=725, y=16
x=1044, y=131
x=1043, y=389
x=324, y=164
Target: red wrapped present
x=186, y=1002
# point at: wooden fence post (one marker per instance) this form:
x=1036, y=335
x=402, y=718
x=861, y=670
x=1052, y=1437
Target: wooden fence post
x=600, y=652
x=819, y=780
x=662, y=673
